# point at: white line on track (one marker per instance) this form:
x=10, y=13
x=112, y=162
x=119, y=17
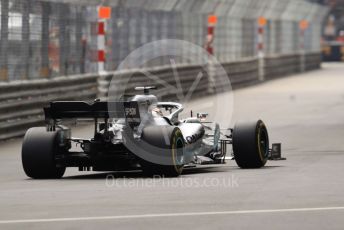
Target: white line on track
x=186, y=214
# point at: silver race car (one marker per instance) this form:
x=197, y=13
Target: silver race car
x=140, y=133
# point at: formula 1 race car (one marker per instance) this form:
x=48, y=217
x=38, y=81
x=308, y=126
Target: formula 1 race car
x=136, y=134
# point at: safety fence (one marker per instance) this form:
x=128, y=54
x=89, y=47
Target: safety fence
x=51, y=38
x=22, y=102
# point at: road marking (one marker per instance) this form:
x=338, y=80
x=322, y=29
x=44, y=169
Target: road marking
x=186, y=214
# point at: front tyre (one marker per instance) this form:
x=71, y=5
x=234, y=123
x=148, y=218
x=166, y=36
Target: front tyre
x=39, y=151
x=251, y=144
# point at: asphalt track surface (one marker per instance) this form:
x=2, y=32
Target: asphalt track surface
x=304, y=112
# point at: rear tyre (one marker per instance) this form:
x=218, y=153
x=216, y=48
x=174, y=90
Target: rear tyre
x=165, y=142
x=251, y=144
x=38, y=154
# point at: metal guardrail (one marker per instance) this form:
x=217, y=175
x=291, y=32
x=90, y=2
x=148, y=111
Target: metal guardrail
x=240, y=73
x=187, y=75
x=313, y=61
x=284, y=65
x=21, y=102
x=279, y=66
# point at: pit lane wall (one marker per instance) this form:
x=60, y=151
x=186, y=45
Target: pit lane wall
x=21, y=102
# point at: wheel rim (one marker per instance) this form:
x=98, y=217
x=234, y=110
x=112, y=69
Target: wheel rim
x=263, y=143
x=179, y=152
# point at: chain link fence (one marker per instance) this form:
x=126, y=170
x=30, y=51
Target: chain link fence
x=47, y=39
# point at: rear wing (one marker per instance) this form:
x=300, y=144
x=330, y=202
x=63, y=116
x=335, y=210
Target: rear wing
x=98, y=110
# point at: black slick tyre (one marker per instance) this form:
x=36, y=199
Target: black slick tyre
x=167, y=143
x=38, y=154
x=251, y=144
